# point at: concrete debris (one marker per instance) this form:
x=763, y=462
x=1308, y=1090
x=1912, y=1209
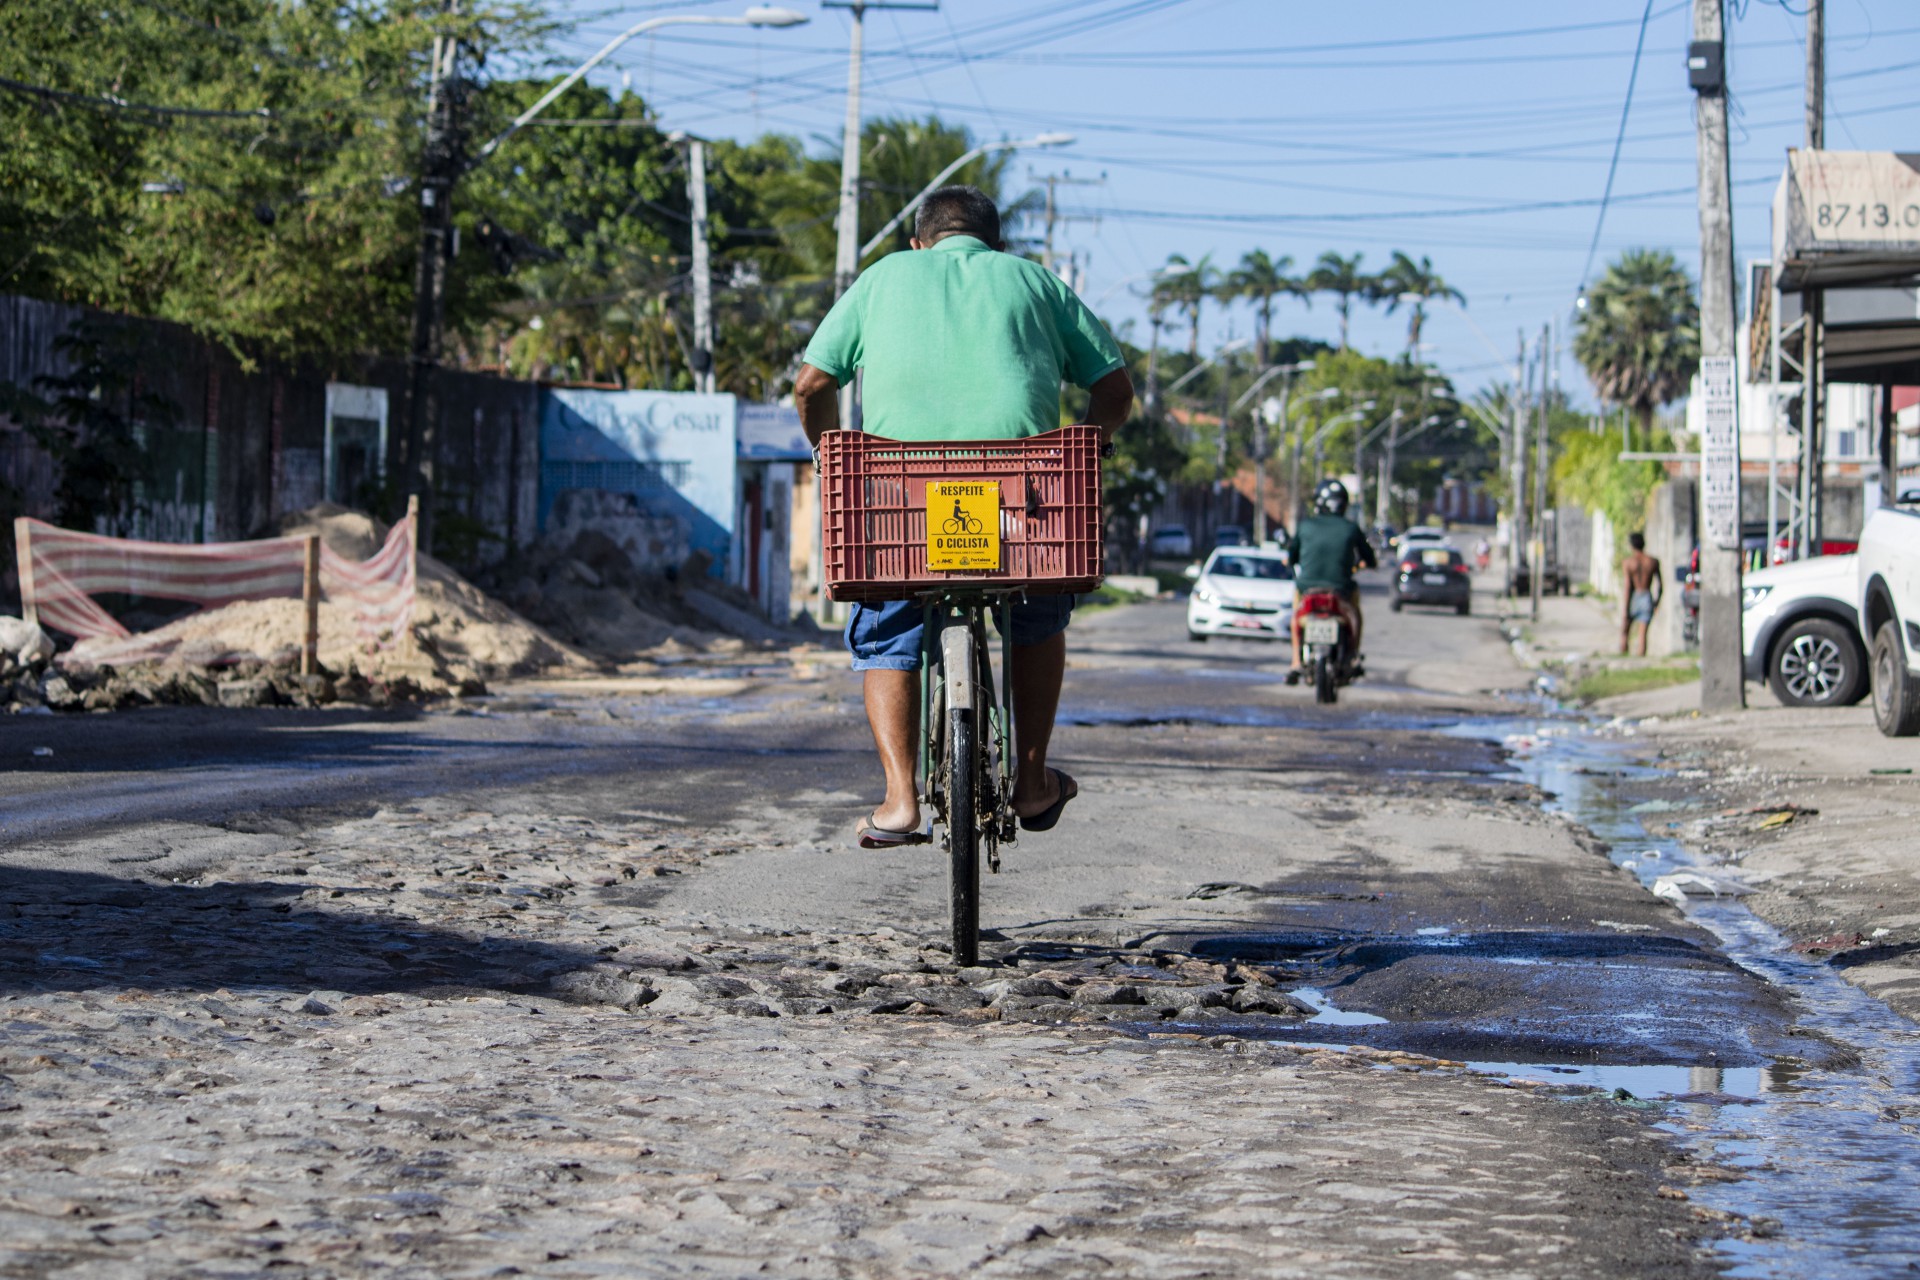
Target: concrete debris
x=1677, y=887
x=23, y=643
x=588, y=592
x=575, y=610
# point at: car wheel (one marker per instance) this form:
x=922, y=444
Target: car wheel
x=1196, y=636
x=1896, y=695
x=1463, y=607
x=1815, y=663
x=1394, y=603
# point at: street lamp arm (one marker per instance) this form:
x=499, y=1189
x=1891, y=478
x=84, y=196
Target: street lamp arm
x=755, y=17
x=1258, y=383
x=1205, y=362
x=893, y=224
x=1331, y=423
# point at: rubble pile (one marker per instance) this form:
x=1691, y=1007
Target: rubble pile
x=588, y=592
x=32, y=682
x=572, y=608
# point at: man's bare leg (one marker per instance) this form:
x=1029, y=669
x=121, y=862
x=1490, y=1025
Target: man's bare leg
x=1037, y=672
x=1646, y=629
x=893, y=705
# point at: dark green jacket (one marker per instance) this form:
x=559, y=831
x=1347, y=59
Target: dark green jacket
x=1325, y=550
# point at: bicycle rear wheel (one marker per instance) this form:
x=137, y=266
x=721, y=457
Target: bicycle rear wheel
x=961, y=794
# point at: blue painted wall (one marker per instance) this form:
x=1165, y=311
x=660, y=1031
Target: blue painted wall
x=673, y=451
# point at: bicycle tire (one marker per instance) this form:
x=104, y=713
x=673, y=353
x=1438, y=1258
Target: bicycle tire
x=963, y=762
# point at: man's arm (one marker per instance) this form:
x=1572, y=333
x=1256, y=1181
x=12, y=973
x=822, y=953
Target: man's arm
x=1109, y=401
x=1365, y=549
x=817, y=396
x=1657, y=583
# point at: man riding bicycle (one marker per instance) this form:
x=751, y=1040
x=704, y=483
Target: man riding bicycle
x=960, y=340
x=1324, y=551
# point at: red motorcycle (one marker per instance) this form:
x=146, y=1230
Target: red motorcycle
x=1326, y=643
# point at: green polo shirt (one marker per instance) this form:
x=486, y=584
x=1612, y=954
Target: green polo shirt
x=960, y=342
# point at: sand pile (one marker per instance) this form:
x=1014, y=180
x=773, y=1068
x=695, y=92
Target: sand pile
x=453, y=620
x=580, y=607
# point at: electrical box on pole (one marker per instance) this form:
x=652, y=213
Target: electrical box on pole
x=1722, y=673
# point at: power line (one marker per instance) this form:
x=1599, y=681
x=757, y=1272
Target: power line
x=1619, y=137
x=137, y=108
x=1258, y=219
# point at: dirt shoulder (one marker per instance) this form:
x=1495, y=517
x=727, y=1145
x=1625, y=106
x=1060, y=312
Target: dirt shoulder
x=1840, y=874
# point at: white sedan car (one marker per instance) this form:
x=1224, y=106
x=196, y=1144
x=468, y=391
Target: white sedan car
x=1242, y=591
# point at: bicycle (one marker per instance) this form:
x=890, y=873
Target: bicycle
x=961, y=523
x=966, y=746
x=878, y=505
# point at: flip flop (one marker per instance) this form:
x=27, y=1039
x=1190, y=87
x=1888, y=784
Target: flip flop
x=870, y=835
x=1044, y=820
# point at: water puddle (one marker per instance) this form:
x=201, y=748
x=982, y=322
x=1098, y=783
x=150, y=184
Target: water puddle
x=1325, y=1014
x=1306, y=716
x=1829, y=1151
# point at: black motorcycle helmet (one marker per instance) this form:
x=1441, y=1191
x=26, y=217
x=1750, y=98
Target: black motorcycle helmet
x=1330, y=498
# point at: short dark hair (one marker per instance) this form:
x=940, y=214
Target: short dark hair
x=1638, y=541
x=959, y=209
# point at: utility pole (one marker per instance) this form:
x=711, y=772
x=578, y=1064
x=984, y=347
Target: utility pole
x=1813, y=340
x=1537, y=549
x=1383, y=487
x=1053, y=215
x=440, y=165
x=1226, y=415
x=703, y=379
x=1722, y=672
x=846, y=257
x=1517, y=499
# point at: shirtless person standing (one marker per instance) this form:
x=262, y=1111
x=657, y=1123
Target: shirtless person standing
x=1642, y=589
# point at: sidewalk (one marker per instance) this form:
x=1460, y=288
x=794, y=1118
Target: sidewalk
x=1575, y=644
x=1840, y=874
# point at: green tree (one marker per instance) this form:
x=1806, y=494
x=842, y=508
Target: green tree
x=1186, y=286
x=1638, y=334
x=1343, y=278
x=1587, y=470
x=1417, y=284
x=238, y=166
x=1260, y=279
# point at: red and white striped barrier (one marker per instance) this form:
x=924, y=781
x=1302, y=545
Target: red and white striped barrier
x=61, y=571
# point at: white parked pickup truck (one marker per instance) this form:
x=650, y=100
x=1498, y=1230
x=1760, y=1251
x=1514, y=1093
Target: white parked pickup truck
x=1890, y=613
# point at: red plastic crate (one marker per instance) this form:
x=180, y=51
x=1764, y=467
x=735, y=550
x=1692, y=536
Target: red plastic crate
x=873, y=496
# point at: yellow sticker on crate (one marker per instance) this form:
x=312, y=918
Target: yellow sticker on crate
x=963, y=524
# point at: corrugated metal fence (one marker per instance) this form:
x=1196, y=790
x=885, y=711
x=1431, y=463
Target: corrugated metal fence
x=249, y=445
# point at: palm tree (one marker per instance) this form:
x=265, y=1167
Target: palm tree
x=1342, y=278
x=1186, y=286
x=1262, y=278
x=1639, y=333
x=1416, y=283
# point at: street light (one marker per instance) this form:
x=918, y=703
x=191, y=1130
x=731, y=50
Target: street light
x=1238, y=344
x=440, y=175
x=1285, y=372
x=1040, y=140
x=1315, y=440
x=759, y=15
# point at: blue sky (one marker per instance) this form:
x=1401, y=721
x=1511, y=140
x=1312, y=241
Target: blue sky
x=1369, y=126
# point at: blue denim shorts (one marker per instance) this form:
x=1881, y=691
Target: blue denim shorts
x=887, y=637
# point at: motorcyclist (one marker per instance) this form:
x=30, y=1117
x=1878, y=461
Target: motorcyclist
x=1325, y=550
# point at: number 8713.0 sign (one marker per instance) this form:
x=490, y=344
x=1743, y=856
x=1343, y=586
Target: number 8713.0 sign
x=963, y=524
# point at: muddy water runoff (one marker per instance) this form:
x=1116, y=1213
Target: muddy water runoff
x=1828, y=1155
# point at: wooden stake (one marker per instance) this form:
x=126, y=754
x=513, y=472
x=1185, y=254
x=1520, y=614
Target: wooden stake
x=413, y=566
x=310, y=594
x=23, y=554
